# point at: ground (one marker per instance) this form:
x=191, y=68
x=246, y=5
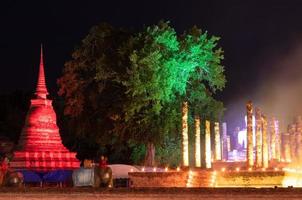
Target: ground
x=150, y=194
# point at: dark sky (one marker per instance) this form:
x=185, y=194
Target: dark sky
x=252, y=34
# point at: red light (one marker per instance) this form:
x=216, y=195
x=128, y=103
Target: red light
x=40, y=146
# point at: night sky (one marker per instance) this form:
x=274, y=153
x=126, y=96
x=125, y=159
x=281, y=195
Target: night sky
x=256, y=38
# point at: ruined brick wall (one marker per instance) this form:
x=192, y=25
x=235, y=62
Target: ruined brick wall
x=250, y=179
x=222, y=179
x=158, y=179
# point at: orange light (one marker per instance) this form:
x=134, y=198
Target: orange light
x=223, y=169
x=208, y=152
x=197, y=143
x=41, y=135
x=185, y=136
x=237, y=169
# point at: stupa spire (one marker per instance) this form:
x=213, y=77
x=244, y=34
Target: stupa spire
x=41, y=90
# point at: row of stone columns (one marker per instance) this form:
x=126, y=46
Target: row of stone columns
x=262, y=147
x=268, y=144
x=272, y=145
x=218, y=144
x=292, y=142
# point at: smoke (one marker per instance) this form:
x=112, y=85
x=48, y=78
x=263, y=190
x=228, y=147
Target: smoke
x=276, y=87
x=279, y=92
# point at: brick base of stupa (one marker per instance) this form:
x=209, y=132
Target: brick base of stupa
x=44, y=161
x=40, y=146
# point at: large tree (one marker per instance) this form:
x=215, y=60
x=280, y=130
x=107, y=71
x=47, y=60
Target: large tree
x=92, y=90
x=123, y=86
x=166, y=69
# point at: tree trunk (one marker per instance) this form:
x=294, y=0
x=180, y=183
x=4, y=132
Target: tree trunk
x=150, y=155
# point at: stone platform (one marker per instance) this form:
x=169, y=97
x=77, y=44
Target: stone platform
x=208, y=178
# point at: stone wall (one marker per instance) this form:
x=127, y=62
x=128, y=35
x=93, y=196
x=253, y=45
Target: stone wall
x=222, y=179
x=158, y=179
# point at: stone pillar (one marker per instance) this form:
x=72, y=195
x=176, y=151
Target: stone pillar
x=217, y=141
x=185, y=136
x=286, y=147
x=229, y=143
x=197, y=142
x=235, y=141
x=208, y=153
x=269, y=140
x=273, y=139
x=224, y=141
x=299, y=145
x=299, y=139
x=292, y=141
x=278, y=141
x=283, y=136
x=265, y=153
x=258, y=139
x=249, y=133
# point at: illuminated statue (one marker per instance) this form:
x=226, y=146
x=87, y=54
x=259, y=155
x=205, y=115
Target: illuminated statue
x=258, y=138
x=185, y=136
x=249, y=150
x=40, y=147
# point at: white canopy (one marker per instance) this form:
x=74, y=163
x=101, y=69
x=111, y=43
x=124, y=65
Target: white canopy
x=121, y=170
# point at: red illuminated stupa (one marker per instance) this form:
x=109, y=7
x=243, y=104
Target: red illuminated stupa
x=40, y=146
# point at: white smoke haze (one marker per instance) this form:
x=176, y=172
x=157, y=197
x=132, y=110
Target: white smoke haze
x=280, y=90
x=277, y=88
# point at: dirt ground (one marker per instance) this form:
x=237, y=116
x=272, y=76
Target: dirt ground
x=149, y=194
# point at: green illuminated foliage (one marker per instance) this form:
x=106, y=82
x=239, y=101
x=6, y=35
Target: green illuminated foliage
x=124, y=88
x=166, y=69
